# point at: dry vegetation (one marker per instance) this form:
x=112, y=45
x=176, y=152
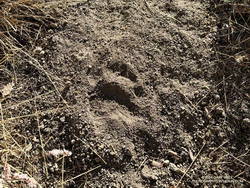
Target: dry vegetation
x=22, y=23
x=233, y=80
x=233, y=52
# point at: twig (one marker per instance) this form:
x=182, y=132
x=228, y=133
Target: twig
x=2, y=120
x=225, y=95
x=91, y=170
x=41, y=141
x=245, y=180
x=239, y=174
x=147, y=6
x=236, y=158
x=190, y=166
x=34, y=114
x=142, y=163
x=28, y=100
x=189, y=101
x=63, y=172
x=218, y=147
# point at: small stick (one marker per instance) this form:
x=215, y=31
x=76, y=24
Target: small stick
x=210, y=91
x=142, y=163
x=91, y=170
x=34, y=114
x=225, y=95
x=151, y=12
x=2, y=120
x=237, y=159
x=239, y=174
x=63, y=172
x=190, y=166
x=28, y=100
x=41, y=141
x=218, y=147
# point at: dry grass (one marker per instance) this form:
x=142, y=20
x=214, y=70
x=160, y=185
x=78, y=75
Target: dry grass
x=233, y=50
x=233, y=53
x=235, y=31
x=21, y=24
x=14, y=26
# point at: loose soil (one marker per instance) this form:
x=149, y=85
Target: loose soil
x=131, y=88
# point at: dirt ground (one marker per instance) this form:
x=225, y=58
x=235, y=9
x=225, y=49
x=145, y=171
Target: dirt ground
x=132, y=88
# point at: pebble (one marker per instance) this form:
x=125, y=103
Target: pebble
x=173, y=154
x=246, y=121
x=217, y=97
x=62, y=119
x=35, y=139
x=156, y=164
x=166, y=162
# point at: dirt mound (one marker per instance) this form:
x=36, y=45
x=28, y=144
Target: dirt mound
x=132, y=96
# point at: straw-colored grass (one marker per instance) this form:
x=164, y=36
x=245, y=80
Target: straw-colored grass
x=21, y=24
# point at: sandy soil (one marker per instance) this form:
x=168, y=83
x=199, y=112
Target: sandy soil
x=130, y=87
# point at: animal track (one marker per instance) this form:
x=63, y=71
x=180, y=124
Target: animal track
x=118, y=90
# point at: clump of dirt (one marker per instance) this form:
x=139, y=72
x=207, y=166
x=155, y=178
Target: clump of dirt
x=130, y=88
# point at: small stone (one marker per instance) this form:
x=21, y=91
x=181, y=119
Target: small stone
x=42, y=52
x=56, y=167
x=246, y=122
x=112, y=153
x=173, y=154
x=166, y=162
x=6, y=90
x=221, y=134
x=47, y=130
x=156, y=164
x=62, y=119
x=217, y=97
x=101, y=146
x=38, y=49
x=35, y=139
x=136, y=185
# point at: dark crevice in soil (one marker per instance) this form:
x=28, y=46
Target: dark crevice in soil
x=114, y=92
